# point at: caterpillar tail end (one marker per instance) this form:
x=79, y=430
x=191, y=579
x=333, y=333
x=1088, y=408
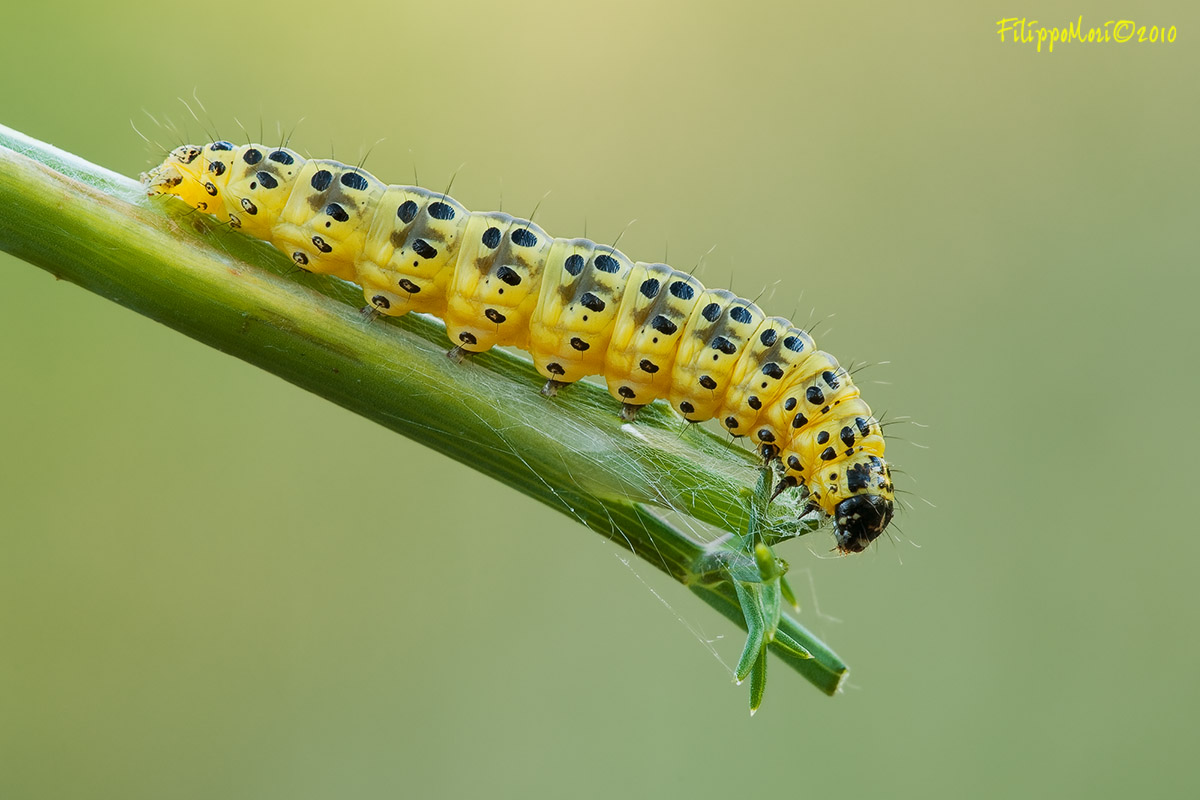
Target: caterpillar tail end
x=161, y=180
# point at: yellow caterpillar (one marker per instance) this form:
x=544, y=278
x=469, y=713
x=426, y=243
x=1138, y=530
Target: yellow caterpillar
x=579, y=308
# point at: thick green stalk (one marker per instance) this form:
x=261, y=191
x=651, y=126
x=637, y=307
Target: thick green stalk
x=97, y=229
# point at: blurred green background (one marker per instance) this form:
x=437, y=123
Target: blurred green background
x=196, y=599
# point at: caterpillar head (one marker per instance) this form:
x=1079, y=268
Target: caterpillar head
x=860, y=520
x=862, y=516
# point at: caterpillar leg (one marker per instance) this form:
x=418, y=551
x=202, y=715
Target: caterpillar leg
x=629, y=412
x=551, y=387
x=786, y=482
x=458, y=354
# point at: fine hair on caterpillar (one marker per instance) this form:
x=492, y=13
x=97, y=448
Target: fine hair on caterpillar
x=577, y=307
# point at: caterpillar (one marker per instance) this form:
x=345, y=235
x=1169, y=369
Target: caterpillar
x=579, y=308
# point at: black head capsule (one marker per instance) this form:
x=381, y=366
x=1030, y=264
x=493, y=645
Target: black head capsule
x=860, y=519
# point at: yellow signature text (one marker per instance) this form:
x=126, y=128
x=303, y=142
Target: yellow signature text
x=1023, y=30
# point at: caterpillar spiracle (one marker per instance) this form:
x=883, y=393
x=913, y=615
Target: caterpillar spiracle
x=579, y=308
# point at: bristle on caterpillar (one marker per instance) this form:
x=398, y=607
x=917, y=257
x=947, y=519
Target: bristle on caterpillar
x=579, y=308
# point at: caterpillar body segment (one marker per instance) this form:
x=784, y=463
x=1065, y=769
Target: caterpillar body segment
x=579, y=308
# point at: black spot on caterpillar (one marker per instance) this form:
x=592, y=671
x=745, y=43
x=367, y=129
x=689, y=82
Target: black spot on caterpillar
x=579, y=308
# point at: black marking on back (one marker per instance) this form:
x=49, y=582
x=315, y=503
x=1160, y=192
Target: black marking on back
x=442, y=211
x=407, y=211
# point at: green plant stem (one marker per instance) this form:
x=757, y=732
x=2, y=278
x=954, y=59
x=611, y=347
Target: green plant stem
x=95, y=228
